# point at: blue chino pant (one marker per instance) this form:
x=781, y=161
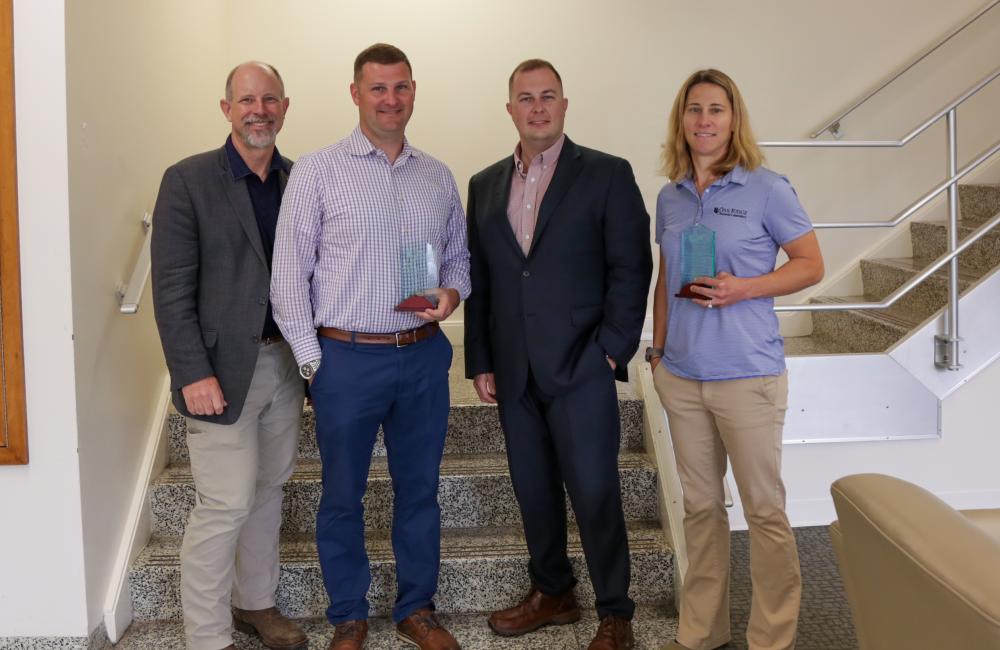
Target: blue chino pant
x=358, y=387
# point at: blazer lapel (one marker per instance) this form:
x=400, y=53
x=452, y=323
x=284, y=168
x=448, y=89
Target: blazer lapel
x=500, y=199
x=565, y=175
x=239, y=200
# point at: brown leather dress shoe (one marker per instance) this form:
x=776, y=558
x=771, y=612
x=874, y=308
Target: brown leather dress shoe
x=275, y=631
x=349, y=635
x=535, y=611
x=613, y=634
x=422, y=629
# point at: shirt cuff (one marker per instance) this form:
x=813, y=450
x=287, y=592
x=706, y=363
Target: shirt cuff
x=306, y=350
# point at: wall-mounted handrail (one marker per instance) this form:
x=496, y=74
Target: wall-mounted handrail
x=891, y=143
x=834, y=125
x=904, y=288
x=130, y=294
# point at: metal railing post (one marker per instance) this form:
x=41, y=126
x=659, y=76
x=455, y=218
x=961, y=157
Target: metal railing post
x=946, y=346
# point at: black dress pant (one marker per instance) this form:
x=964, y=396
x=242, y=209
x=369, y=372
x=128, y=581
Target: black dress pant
x=571, y=439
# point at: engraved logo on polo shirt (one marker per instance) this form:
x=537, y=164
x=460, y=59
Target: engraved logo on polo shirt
x=739, y=213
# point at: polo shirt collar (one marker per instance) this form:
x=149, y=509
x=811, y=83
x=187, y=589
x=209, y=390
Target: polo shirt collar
x=737, y=175
x=238, y=166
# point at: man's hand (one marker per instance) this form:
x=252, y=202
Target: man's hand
x=204, y=397
x=447, y=302
x=611, y=362
x=486, y=387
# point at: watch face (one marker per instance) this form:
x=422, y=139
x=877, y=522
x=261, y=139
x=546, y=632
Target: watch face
x=306, y=370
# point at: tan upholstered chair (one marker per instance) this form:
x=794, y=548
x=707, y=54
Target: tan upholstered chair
x=918, y=574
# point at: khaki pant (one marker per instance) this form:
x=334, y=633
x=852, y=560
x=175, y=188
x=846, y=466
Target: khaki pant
x=741, y=418
x=230, y=548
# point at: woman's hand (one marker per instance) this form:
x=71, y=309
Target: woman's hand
x=722, y=290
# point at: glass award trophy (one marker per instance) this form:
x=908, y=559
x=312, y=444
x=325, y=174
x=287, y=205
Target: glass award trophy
x=418, y=278
x=697, y=258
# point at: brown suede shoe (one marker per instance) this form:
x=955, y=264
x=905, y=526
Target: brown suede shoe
x=275, y=631
x=422, y=629
x=535, y=611
x=349, y=635
x=613, y=634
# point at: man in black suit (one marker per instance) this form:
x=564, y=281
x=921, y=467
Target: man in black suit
x=561, y=264
x=231, y=374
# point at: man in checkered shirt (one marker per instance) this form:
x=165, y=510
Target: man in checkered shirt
x=360, y=220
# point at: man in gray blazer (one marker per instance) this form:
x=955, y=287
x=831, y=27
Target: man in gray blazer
x=231, y=374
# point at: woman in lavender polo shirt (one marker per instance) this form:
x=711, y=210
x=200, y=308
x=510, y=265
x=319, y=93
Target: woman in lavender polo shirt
x=718, y=358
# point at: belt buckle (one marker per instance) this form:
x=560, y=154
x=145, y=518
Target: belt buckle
x=398, y=344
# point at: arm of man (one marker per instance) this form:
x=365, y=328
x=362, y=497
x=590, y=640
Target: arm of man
x=175, y=256
x=455, y=284
x=296, y=243
x=478, y=347
x=629, y=264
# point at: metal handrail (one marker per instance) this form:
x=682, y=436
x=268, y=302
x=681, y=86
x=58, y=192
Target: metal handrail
x=904, y=288
x=834, y=125
x=891, y=143
x=130, y=294
x=910, y=211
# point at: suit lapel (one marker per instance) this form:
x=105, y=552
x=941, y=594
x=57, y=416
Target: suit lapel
x=239, y=200
x=565, y=175
x=500, y=199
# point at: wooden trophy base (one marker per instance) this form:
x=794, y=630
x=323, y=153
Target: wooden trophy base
x=686, y=292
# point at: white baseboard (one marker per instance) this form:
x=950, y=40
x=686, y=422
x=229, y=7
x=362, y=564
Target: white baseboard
x=138, y=527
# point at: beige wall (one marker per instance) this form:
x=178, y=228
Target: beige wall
x=132, y=70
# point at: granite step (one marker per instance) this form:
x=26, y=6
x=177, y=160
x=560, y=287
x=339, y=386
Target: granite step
x=811, y=345
x=653, y=626
x=475, y=490
x=862, y=331
x=880, y=277
x=978, y=202
x=482, y=569
x=930, y=241
x=472, y=429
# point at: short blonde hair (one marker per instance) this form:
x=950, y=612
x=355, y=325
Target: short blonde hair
x=743, y=149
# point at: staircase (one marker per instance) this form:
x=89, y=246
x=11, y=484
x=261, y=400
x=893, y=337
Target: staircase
x=873, y=331
x=483, y=555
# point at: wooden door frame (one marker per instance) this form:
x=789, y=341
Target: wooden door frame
x=13, y=423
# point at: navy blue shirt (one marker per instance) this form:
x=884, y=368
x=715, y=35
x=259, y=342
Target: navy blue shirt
x=266, y=199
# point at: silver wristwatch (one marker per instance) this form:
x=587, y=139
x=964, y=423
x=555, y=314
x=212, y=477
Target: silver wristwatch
x=308, y=369
x=653, y=353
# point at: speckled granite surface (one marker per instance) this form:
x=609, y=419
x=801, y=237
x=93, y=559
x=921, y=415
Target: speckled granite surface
x=475, y=490
x=978, y=203
x=481, y=569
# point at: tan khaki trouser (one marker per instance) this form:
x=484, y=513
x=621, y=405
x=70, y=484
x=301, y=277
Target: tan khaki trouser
x=230, y=548
x=741, y=418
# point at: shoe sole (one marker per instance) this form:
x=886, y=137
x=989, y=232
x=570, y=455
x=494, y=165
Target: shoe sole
x=560, y=619
x=247, y=628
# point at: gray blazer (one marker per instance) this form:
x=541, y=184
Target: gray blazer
x=210, y=279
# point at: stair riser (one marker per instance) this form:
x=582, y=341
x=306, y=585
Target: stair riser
x=978, y=203
x=465, y=585
x=855, y=333
x=925, y=299
x=930, y=241
x=471, y=430
x=466, y=501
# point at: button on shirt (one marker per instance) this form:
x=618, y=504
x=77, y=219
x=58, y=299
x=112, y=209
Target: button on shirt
x=265, y=196
x=347, y=216
x=752, y=214
x=527, y=189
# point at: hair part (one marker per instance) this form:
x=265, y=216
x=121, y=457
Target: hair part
x=529, y=66
x=382, y=54
x=270, y=69
x=676, y=162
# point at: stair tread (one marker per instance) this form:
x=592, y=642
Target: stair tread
x=914, y=266
x=802, y=346
x=452, y=465
x=893, y=316
x=456, y=544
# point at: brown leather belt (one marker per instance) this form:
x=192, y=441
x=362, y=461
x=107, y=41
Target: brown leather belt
x=399, y=339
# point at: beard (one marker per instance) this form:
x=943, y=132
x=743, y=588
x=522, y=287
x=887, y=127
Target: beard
x=256, y=139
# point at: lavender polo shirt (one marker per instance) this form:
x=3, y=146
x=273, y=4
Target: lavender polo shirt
x=752, y=213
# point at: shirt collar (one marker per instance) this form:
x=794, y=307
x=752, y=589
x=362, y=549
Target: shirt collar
x=238, y=166
x=550, y=154
x=360, y=145
x=737, y=175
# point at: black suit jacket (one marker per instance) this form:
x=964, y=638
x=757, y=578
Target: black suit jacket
x=210, y=278
x=579, y=294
